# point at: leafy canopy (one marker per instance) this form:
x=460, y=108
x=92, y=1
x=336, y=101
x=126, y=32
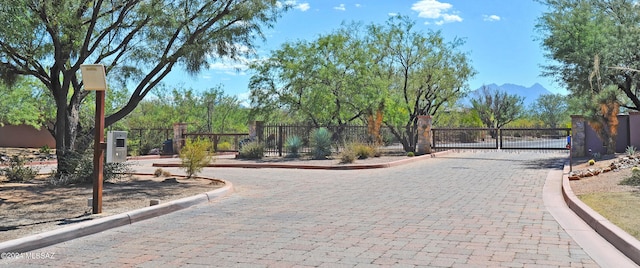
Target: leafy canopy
x=574, y=32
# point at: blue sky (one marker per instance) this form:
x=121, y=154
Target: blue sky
x=500, y=37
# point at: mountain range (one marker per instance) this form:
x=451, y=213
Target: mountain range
x=530, y=94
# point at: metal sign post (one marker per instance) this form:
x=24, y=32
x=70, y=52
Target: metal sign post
x=94, y=78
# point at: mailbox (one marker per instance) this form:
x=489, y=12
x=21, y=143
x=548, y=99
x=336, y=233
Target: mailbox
x=116, y=146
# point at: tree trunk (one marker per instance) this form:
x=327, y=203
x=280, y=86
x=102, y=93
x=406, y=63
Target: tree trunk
x=66, y=134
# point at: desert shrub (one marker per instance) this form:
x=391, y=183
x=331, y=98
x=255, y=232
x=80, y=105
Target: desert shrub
x=224, y=146
x=251, y=150
x=195, y=155
x=18, y=170
x=159, y=172
x=320, y=143
x=81, y=167
x=631, y=150
x=411, y=154
x=293, y=145
x=592, y=162
x=363, y=151
x=634, y=180
x=347, y=156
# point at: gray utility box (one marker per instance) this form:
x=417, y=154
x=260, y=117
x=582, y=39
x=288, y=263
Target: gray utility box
x=116, y=146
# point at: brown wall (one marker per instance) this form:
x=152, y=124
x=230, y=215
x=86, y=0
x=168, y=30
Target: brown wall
x=628, y=134
x=24, y=136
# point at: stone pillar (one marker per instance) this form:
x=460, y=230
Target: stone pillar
x=256, y=130
x=179, y=129
x=423, y=146
x=578, y=136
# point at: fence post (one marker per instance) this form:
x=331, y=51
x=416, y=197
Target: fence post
x=498, y=136
x=423, y=145
x=578, y=136
x=280, y=139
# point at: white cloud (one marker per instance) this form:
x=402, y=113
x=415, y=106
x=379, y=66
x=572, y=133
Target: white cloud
x=294, y=4
x=303, y=7
x=392, y=14
x=230, y=67
x=491, y=17
x=358, y=5
x=340, y=7
x=432, y=9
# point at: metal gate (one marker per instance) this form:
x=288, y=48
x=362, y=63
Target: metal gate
x=505, y=138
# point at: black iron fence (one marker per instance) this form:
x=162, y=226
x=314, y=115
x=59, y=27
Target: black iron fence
x=148, y=140
x=275, y=137
x=222, y=142
x=505, y=138
x=464, y=138
x=541, y=138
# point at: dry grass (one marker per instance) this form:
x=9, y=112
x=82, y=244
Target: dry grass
x=622, y=209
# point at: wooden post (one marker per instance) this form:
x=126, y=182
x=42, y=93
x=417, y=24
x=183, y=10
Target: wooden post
x=98, y=153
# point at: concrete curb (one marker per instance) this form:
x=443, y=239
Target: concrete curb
x=98, y=225
x=624, y=242
x=302, y=166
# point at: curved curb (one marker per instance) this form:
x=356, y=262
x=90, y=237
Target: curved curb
x=320, y=167
x=624, y=242
x=98, y=225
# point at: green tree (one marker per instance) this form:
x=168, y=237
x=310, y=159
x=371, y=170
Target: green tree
x=425, y=72
x=139, y=42
x=497, y=108
x=574, y=32
x=327, y=81
x=224, y=113
x=551, y=109
x=24, y=103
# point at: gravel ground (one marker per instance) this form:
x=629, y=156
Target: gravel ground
x=33, y=207
x=604, y=182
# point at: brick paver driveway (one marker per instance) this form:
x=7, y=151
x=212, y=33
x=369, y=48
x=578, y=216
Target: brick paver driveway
x=458, y=210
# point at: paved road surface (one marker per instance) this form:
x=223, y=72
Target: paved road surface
x=459, y=210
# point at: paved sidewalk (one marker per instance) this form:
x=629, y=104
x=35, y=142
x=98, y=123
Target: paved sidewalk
x=458, y=210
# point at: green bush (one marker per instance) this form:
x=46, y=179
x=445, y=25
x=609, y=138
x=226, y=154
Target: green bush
x=592, y=162
x=347, y=156
x=411, y=154
x=195, y=155
x=252, y=150
x=634, y=180
x=321, y=143
x=18, y=170
x=293, y=145
x=45, y=149
x=631, y=150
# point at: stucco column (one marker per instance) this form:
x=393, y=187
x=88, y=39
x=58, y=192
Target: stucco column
x=423, y=146
x=256, y=130
x=179, y=129
x=578, y=136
